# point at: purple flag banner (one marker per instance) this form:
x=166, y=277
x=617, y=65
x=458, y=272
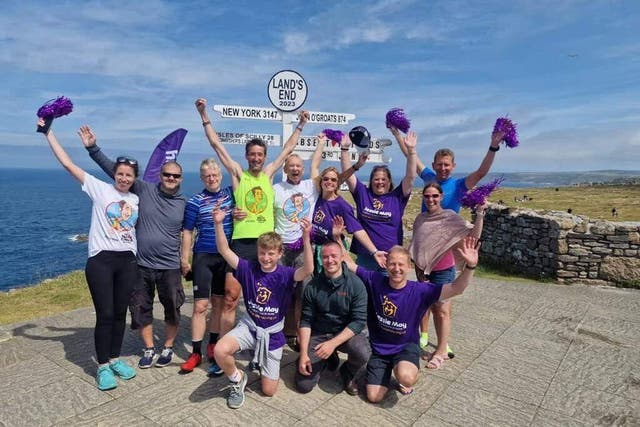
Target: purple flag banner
x=166, y=150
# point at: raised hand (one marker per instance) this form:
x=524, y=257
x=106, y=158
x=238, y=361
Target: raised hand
x=411, y=140
x=346, y=141
x=87, y=136
x=469, y=250
x=338, y=228
x=201, y=104
x=305, y=224
x=496, y=139
x=217, y=213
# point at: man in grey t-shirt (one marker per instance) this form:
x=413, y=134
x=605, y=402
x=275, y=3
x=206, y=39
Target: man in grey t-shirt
x=158, y=233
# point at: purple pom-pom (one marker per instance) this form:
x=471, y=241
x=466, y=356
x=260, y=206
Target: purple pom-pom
x=55, y=108
x=506, y=126
x=335, y=136
x=397, y=119
x=479, y=195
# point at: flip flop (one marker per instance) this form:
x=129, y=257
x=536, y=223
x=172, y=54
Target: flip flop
x=405, y=391
x=435, y=362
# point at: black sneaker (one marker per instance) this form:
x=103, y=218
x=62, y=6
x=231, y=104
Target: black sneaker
x=146, y=361
x=348, y=381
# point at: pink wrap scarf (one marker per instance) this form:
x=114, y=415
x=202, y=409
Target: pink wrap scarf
x=434, y=235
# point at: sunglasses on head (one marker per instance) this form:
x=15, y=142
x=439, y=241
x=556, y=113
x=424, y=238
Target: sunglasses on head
x=172, y=175
x=431, y=196
x=127, y=161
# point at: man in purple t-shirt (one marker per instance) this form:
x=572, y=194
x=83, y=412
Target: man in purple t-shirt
x=267, y=288
x=396, y=306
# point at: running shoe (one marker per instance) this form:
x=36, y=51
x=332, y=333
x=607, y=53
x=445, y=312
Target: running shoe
x=146, y=361
x=165, y=357
x=236, y=392
x=210, y=351
x=122, y=370
x=194, y=360
x=105, y=378
x=214, y=370
x=424, y=340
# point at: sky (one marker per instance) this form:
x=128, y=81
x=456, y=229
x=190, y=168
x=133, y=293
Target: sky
x=567, y=72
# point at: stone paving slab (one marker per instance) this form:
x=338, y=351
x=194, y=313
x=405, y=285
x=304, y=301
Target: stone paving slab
x=527, y=354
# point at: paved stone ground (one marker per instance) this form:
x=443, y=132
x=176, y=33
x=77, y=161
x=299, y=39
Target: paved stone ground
x=526, y=355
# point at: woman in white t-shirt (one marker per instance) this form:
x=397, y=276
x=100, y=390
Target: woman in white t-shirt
x=111, y=269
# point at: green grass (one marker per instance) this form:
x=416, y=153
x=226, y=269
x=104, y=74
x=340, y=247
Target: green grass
x=70, y=291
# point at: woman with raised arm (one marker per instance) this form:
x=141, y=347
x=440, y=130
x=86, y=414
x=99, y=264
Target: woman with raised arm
x=331, y=204
x=436, y=232
x=111, y=269
x=380, y=207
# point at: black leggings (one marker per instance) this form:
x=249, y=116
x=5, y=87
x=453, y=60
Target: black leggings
x=111, y=276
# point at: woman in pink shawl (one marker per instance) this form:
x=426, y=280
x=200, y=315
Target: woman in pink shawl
x=435, y=233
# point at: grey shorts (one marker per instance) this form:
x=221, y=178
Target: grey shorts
x=247, y=341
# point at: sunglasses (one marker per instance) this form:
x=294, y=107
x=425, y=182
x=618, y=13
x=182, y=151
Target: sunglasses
x=127, y=161
x=431, y=196
x=328, y=178
x=171, y=175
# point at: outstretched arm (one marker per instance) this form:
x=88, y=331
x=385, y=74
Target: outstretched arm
x=469, y=253
x=307, y=266
x=479, y=223
x=474, y=177
x=233, y=167
x=88, y=139
x=289, y=146
x=403, y=147
x=365, y=240
x=221, y=239
x=348, y=170
x=62, y=155
x=316, y=159
x=411, y=143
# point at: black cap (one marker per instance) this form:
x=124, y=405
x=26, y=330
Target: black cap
x=360, y=136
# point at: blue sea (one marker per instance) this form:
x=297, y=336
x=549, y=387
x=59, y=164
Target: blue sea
x=45, y=211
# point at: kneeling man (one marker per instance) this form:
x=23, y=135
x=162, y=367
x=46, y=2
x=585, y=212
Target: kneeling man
x=334, y=313
x=396, y=306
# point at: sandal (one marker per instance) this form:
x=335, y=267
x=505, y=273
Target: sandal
x=405, y=391
x=435, y=362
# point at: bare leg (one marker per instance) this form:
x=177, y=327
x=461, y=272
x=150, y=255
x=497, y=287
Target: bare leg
x=199, y=319
x=232, y=292
x=146, y=333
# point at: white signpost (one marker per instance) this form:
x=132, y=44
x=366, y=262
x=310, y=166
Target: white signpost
x=287, y=91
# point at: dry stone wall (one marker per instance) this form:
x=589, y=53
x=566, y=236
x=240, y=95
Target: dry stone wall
x=562, y=246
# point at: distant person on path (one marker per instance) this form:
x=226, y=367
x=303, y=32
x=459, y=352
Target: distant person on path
x=208, y=266
x=334, y=314
x=380, y=207
x=614, y=212
x=158, y=231
x=436, y=233
x=267, y=287
x=454, y=189
x=396, y=305
x=249, y=224
x=111, y=269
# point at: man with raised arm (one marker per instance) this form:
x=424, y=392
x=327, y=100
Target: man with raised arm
x=454, y=189
x=158, y=230
x=254, y=197
x=396, y=305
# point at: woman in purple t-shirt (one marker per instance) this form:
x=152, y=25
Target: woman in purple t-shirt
x=331, y=205
x=380, y=207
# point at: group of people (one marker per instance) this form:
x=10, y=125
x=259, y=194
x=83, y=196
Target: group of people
x=284, y=247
